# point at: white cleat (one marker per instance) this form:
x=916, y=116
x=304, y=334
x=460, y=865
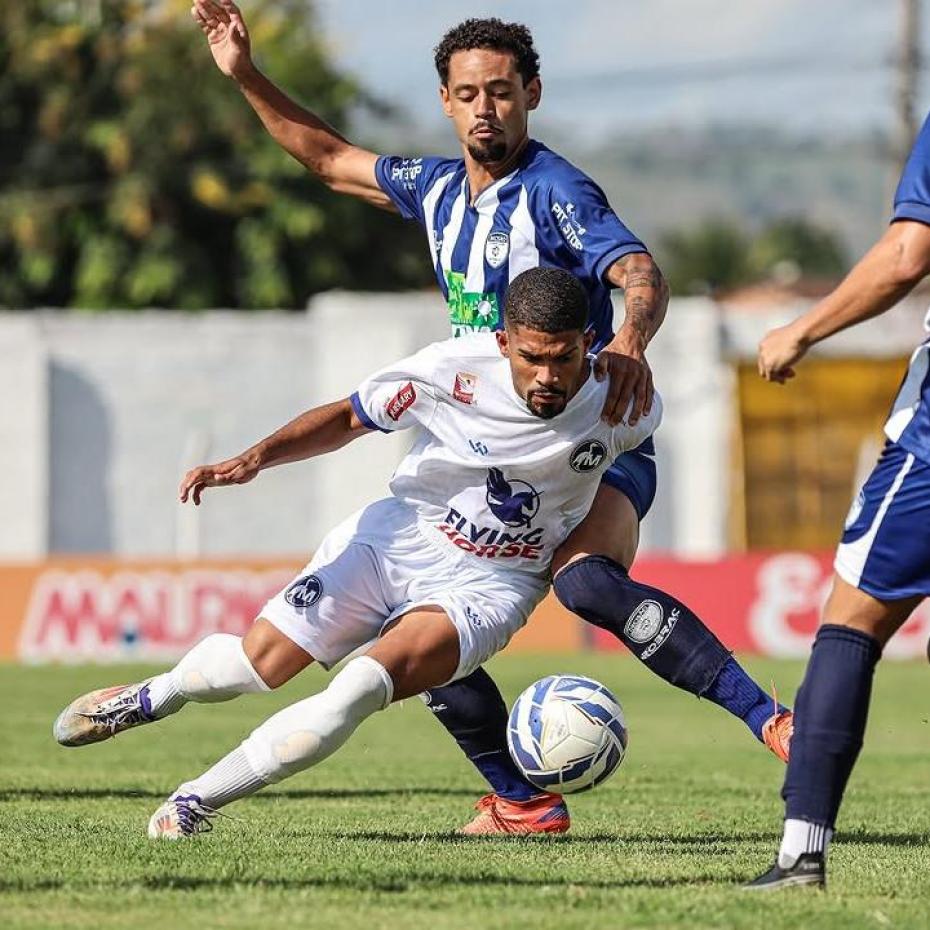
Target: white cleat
x=181, y=816
x=98, y=715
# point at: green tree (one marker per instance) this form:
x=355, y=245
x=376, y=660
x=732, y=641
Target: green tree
x=719, y=254
x=132, y=174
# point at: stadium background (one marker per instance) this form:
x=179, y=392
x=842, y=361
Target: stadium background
x=175, y=287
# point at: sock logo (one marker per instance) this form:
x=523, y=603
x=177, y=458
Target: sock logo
x=644, y=622
x=662, y=636
x=304, y=592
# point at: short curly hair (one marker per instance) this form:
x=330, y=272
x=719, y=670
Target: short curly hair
x=494, y=34
x=547, y=300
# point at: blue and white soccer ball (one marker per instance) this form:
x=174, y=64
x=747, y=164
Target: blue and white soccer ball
x=567, y=733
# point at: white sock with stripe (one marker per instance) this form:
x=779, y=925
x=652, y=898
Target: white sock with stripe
x=801, y=837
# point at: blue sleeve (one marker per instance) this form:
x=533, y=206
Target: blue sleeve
x=408, y=180
x=912, y=198
x=594, y=235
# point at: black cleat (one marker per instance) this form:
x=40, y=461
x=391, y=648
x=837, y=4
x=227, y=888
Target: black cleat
x=809, y=869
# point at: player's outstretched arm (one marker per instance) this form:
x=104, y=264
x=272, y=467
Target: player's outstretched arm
x=885, y=274
x=344, y=167
x=645, y=296
x=316, y=432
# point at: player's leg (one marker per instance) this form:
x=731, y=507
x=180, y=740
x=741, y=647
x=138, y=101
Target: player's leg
x=418, y=651
x=592, y=580
x=830, y=717
x=882, y=573
x=219, y=668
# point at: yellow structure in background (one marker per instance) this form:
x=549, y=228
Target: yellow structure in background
x=801, y=450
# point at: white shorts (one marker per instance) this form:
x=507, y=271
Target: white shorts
x=376, y=566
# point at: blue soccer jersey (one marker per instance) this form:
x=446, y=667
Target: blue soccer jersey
x=909, y=421
x=544, y=213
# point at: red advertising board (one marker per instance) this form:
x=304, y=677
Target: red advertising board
x=105, y=611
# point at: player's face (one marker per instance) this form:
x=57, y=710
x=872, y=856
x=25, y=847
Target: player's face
x=547, y=368
x=488, y=103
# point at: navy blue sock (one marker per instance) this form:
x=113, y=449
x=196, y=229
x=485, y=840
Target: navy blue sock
x=735, y=691
x=829, y=722
x=473, y=711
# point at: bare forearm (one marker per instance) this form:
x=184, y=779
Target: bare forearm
x=884, y=275
x=645, y=296
x=316, y=432
x=302, y=134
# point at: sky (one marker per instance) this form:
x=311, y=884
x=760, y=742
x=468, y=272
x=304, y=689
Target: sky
x=807, y=66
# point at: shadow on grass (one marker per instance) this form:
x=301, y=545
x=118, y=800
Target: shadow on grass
x=368, y=883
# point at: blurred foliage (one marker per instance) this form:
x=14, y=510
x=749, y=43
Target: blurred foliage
x=719, y=255
x=133, y=174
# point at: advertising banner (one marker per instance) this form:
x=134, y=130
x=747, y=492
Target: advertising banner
x=85, y=610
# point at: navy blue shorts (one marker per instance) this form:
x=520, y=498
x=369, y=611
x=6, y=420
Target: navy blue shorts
x=885, y=550
x=634, y=474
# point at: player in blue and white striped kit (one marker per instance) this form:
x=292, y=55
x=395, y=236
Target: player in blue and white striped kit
x=882, y=566
x=507, y=205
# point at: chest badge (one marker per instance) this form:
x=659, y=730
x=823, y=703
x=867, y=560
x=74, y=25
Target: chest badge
x=464, y=388
x=496, y=249
x=586, y=456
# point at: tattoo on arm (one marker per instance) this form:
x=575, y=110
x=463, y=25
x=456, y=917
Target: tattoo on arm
x=650, y=278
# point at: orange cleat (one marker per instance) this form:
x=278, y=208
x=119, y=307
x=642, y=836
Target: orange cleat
x=778, y=730
x=547, y=813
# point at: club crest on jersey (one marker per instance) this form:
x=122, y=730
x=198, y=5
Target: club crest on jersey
x=496, y=249
x=514, y=503
x=401, y=401
x=464, y=388
x=586, y=456
x=304, y=592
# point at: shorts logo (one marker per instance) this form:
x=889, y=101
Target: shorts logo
x=464, y=388
x=644, y=622
x=496, y=249
x=514, y=503
x=474, y=618
x=587, y=456
x=401, y=401
x=304, y=592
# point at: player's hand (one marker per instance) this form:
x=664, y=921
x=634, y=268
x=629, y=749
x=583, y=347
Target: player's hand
x=239, y=470
x=223, y=25
x=779, y=352
x=630, y=379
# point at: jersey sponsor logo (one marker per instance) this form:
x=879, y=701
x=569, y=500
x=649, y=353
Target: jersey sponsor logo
x=644, y=622
x=496, y=249
x=586, y=456
x=401, y=401
x=470, y=311
x=407, y=172
x=514, y=503
x=571, y=229
x=304, y=592
x=464, y=388
x=485, y=542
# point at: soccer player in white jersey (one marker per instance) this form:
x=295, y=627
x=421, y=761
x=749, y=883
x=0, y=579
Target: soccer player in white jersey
x=882, y=567
x=508, y=459
x=508, y=204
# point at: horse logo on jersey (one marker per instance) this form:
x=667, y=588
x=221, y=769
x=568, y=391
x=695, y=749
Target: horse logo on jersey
x=587, y=455
x=496, y=249
x=514, y=503
x=304, y=592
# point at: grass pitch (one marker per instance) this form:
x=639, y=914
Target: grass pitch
x=366, y=839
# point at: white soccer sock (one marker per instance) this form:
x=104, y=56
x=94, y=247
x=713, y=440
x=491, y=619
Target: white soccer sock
x=216, y=669
x=310, y=730
x=298, y=736
x=801, y=837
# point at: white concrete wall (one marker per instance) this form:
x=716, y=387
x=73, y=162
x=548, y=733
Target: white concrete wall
x=102, y=413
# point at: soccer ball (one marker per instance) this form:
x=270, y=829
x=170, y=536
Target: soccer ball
x=566, y=733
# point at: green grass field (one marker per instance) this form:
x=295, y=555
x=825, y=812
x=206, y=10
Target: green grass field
x=366, y=840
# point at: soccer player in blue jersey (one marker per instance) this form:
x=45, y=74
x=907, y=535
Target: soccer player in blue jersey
x=509, y=204
x=882, y=566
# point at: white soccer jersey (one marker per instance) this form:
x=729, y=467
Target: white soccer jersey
x=486, y=475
